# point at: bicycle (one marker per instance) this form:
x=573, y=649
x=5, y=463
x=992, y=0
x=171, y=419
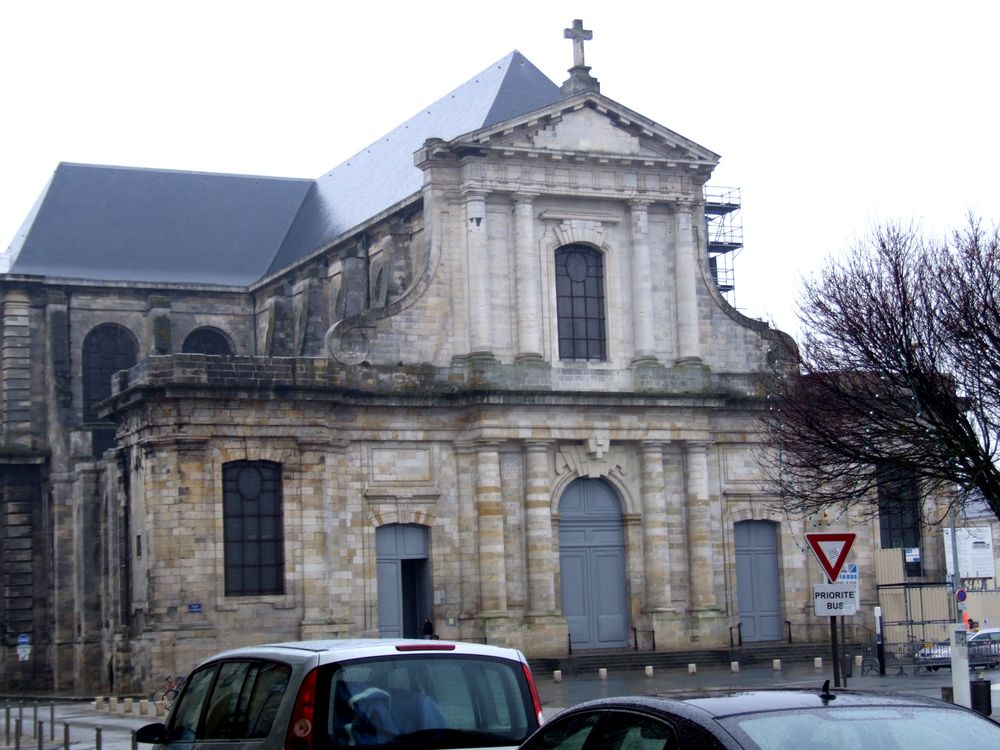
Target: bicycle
x=169, y=690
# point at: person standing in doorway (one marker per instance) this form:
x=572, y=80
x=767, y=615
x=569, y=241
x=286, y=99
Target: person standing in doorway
x=428, y=630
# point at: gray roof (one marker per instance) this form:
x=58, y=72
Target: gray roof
x=145, y=225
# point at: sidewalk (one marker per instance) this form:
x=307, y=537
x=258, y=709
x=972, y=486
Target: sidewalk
x=116, y=728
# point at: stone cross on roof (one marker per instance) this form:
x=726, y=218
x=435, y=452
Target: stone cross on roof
x=579, y=35
x=579, y=79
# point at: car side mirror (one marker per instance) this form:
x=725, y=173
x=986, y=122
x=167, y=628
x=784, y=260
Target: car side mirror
x=152, y=733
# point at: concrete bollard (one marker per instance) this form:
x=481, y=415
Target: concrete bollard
x=161, y=709
x=818, y=662
x=734, y=666
x=776, y=665
x=692, y=668
x=143, y=706
x=99, y=703
x=126, y=705
x=857, y=660
x=649, y=671
x=557, y=675
x=603, y=673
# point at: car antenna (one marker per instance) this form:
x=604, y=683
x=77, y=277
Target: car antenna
x=825, y=693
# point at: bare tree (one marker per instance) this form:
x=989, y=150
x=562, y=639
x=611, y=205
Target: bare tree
x=899, y=374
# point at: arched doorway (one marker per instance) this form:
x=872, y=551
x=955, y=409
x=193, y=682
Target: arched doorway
x=401, y=552
x=757, y=580
x=592, y=565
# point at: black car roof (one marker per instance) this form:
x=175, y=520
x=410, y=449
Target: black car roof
x=730, y=703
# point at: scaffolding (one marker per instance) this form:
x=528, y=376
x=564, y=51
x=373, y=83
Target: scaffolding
x=724, y=233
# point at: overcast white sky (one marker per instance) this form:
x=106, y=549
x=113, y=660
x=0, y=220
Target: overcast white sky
x=828, y=116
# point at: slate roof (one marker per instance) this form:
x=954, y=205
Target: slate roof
x=145, y=225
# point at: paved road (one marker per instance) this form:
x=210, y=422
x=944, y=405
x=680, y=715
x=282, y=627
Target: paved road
x=116, y=728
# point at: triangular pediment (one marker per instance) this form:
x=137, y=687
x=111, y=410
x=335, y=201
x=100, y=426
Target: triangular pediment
x=589, y=124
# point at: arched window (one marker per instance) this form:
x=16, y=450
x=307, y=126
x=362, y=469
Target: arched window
x=107, y=349
x=207, y=341
x=253, y=528
x=580, y=303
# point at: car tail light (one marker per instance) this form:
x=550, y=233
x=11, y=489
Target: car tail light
x=431, y=646
x=300, y=727
x=535, y=702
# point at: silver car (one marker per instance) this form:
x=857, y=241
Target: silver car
x=983, y=645
x=328, y=694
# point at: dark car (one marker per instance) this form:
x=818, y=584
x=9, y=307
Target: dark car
x=818, y=719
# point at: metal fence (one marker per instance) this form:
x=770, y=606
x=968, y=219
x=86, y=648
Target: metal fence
x=33, y=724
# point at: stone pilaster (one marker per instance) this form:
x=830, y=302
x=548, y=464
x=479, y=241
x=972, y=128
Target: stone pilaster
x=686, y=279
x=538, y=522
x=642, y=285
x=529, y=288
x=322, y=592
x=468, y=531
x=656, y=550
x=489, y=506
x=478, y=264
x=15, y=378
x=158, y=324
x=700, y=540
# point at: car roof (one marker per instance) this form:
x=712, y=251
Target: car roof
x=720, y=704
x=985, y=631
x=357, y=648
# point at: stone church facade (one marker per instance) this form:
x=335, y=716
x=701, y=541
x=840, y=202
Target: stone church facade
x=480, y=374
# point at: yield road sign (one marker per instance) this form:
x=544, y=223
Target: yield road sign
x=830, y=549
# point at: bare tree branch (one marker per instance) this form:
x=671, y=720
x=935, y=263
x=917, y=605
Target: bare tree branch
x=899, y=373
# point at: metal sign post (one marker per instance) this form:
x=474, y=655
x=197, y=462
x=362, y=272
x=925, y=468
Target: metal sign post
x=830, y=550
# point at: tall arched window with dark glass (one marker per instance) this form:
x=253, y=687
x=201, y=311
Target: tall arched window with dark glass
x=107, y=349
x=207, y=340
x=253, y=536
x=580, y=303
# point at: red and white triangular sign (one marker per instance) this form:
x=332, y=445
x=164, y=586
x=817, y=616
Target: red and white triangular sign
x=830, y=549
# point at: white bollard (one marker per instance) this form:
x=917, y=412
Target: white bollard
x=557, y=675
x=692, y=668
x=602, y=673
x=818, y=662
x=143, y=706
x=127, y=705
x=99, y=703
x=776, y=665
x=649, y=671
x=161, y=709
x=857, y=660
x=734, y=666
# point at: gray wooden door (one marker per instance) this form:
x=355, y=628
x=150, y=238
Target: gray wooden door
x=403, y=580
x=757, y=580
x=592, y=565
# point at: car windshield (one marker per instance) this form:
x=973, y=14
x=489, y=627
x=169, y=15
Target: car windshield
x=865, y=728
x=425, y=701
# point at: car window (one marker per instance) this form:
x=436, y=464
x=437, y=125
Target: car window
x=185, y=715
x=269, y=685
x=567, y=733
x=244, y=700
x=474, y=700
x=864, y=728
x=606, y=730
x=630, y=731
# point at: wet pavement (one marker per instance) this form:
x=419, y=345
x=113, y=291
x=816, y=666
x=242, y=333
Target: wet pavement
x=115, y=728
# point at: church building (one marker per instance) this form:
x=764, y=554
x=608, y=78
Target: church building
x=480, y=374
